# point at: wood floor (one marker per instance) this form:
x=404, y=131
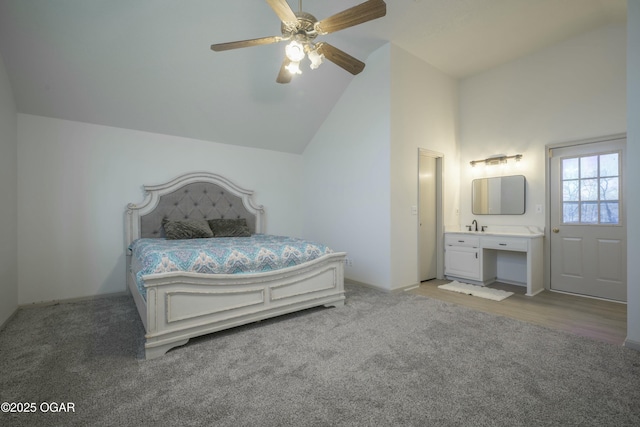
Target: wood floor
x=592, y=318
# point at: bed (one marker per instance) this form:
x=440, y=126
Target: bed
x=177, y=305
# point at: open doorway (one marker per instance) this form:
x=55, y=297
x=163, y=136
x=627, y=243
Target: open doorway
x=430, y=253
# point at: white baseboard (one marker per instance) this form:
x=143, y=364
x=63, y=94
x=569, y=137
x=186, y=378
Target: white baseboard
x=11, y=316
x=633, y=345
x=67, y=300
x=368, y=285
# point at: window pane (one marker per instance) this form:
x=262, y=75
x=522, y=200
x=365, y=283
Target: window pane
x=609, y=165
x=570, y=191
x=570, y=169
x=609, y=189
x=570, y=212
x=609, y=213
x=589, y=167
x=589, y=213
x=589, y=189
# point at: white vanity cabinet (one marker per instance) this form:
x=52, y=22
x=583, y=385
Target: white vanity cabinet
x=474, y=257
x=462, y=256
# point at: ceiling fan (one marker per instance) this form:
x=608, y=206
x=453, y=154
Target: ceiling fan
x=301, y=29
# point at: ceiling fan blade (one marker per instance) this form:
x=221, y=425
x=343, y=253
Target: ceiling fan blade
x=340, y=58
x=367, y=11
x=245, y=43
x=283, y=10
x=284, y=76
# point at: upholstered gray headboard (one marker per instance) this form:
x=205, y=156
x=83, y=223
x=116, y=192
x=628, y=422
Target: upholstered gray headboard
x=200, y=195
x=198, y=200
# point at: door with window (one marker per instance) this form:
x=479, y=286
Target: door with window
x=588, y=232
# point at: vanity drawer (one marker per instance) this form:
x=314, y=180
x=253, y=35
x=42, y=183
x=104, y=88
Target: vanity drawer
x=505, y=244
x=462, y=240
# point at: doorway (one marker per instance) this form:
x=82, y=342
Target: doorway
x=430, y=215
x=588, y=248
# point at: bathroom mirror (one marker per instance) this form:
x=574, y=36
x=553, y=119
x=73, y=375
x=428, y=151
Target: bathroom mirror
x=503, y=195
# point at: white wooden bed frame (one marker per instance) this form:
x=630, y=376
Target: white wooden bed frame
x=181, y=305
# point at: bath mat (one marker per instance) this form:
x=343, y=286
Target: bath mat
x=476, y=291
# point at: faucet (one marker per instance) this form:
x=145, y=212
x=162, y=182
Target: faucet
x=474, y=222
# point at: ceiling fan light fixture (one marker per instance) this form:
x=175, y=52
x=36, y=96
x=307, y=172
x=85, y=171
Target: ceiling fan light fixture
x=300, y=29
x=295, y=51
x=294, y=67
x=315, y=58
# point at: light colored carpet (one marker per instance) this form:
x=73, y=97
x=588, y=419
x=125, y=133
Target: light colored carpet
x=476, y=291
x=384, y=359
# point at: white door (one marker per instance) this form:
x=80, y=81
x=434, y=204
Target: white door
x=428, y=216
x=588, y=232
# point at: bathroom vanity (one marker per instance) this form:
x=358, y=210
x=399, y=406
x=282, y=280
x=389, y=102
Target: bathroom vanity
x=479, y=257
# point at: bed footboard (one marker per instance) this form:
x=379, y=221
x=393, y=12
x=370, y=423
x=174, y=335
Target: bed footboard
x=181, y=305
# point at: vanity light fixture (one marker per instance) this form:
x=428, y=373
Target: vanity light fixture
x=496, y=159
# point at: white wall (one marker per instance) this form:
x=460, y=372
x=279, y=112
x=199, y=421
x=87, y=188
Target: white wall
x=9, y=198
x=361, y=168
x=633, y=174
x=346, y=175
x=75, y=180
x=570, y=91
x=423, y=115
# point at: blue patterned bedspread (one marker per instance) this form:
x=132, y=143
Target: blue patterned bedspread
x=222, y=255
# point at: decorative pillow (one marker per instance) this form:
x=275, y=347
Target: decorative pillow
x=229, y=227
x=186, y=229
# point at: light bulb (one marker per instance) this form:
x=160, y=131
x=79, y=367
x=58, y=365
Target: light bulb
x=294, y=68
x=295, y=51
x=315, y=58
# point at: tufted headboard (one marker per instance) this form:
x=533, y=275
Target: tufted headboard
x=199, y=195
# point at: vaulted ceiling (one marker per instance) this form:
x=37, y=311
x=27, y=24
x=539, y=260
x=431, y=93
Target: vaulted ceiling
x=147, y=65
